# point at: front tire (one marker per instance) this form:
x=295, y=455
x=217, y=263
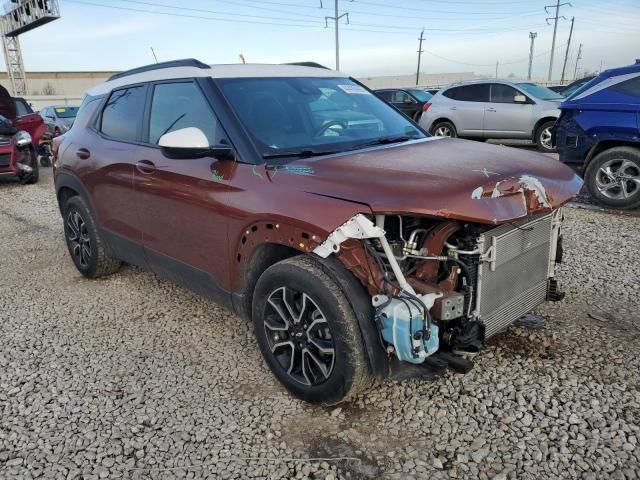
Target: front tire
x=89, y=253
x=543, y=137
x=613, y=177
x=29, y=178
x=308, y=333
x=444, y=129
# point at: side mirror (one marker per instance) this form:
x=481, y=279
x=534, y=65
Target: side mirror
x=520, y=99
x=192, y=143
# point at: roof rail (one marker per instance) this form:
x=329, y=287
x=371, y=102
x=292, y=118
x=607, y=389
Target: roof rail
x=308, y=64
x=187, y=62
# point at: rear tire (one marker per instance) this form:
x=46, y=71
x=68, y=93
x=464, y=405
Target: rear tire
x=444, y=129
x=613, y=177
x=543, y=137
x=91, y=256
x=308, y=333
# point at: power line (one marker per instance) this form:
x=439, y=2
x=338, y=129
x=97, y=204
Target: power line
x=430, y=10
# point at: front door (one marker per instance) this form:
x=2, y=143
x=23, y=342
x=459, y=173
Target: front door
x=506, y=118
x=182, y=206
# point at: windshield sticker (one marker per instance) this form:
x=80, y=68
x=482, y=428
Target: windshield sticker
x=353, y=89
x=61, y=110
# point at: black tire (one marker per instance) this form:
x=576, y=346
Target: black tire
x=345, y=373
x=91, y=256
x=33, y=176
x=45, y=161
x=444, y=129
x=416, y=116
x=604, y=182
x=543, y=137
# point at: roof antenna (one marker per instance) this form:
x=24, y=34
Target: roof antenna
x=154, y=54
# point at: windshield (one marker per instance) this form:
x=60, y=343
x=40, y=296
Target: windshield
x=538, y=91
x=317, y=115
x=421, y=95
x=66, y=112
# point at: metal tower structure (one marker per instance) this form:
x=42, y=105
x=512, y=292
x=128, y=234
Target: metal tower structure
x=21, y=16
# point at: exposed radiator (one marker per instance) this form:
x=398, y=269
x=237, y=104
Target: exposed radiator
x=517, y=262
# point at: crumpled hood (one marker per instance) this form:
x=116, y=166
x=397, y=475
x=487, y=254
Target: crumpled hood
x=442, y=177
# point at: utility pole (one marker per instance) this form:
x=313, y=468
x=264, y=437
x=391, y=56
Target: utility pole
x=532, y=36
x=555, y=28
x=578, y=57
x=497, y=69
x=336, y=18
x=566, y=53
x=419, y=56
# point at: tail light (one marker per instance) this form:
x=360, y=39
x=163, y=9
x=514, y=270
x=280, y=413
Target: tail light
x=425, y=107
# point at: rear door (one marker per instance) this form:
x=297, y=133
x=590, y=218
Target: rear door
x=182, y=206
x=109, y=153
x=468, y=108
x=506, y=118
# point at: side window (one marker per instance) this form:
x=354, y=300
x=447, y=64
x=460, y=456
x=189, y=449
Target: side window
x=181, y=105
x=122, y=115
x=503, y=93
x=21, y=108
x=386, y=95
x=628, y=87
x=473, y=93
x=400, y=97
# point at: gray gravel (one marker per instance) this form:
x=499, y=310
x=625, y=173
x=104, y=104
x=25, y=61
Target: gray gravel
x=132, y=377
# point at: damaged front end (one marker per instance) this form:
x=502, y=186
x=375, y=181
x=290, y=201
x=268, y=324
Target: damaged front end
x=440, y=288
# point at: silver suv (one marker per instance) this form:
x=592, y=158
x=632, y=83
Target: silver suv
x=494, y=109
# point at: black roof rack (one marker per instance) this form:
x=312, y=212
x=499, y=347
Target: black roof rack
x=187, y=62
x=308, y=64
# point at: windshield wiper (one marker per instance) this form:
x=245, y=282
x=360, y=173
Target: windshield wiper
x=384, y=141
x=298, y=153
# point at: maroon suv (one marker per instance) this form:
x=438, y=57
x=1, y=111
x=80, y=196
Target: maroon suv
x=360, y=247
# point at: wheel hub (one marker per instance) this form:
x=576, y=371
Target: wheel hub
x=299, y=336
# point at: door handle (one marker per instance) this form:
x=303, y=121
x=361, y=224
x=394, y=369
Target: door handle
x=453, y=108
x=145, y=167
x=83, y=153
x=491, y=109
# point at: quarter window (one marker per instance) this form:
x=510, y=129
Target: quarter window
x=181, y=105
x=122, y=115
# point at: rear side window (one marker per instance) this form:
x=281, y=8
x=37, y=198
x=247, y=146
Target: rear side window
x=22, y=108
x=181, y=105
x=401, y=97
x=469, y=93
x=386, y=95
x=122, y=115
x=628, y=87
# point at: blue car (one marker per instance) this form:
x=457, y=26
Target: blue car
x=598, y=133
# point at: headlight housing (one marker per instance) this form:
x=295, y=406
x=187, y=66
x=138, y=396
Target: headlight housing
x=23, y=138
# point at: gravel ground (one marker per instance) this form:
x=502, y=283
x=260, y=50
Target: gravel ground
x=131, y=377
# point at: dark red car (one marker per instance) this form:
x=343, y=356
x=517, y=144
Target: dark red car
x=360, y=247
x=20, y=131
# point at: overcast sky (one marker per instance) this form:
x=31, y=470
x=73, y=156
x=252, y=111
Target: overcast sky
x=381, y=38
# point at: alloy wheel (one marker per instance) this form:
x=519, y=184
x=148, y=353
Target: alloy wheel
x=78, y=237
x=299, y=336
x=545, y=138
x=618, y=179
x=442, y=131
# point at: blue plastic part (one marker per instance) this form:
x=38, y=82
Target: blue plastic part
x=395, y=331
